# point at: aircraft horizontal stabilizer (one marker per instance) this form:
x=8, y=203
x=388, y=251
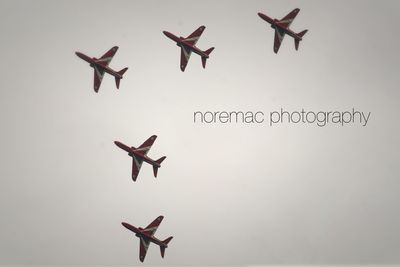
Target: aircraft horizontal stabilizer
x=208, y=51
x=161, y=159
x=162, y=248
x=166, y=241
x=117, y=79
x=301, y=34
x=204, y=59
x=297, y=41
x=155, y=167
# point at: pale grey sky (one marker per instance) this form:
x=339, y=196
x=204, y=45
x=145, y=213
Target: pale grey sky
x=230, y=194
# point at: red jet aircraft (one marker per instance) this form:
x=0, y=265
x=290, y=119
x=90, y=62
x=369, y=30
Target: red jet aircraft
x=101, y=65
x=140, y=154
x=282, y=27
x=188, y=45
x=146, y=236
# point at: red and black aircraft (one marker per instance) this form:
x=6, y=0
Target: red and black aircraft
x=100, y=66
x=140, y=154
x=282, y=27
x=188, y=45
x=146, y=236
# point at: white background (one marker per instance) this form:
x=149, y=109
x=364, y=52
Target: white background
x=231, y=194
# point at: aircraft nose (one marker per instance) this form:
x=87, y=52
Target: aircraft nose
x=79, y=54
x=125, y=224
x=117, y=143
x=168, y=34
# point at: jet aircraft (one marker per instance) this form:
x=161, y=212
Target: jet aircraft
x=146, y=236
x=100, y=66
x=140, y=154
x=282, y=27
x=188, y=45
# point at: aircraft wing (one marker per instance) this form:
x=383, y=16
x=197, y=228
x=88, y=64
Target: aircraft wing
x=106, y=58
x=194, y=37
x=145, y=147
x=152, y=227
x=288, y=19
x=144, y=245
x=136, y=165
x=98, y=77
x=279, y=34
x=185, y=55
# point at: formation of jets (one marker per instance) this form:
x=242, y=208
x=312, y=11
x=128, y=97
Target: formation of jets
x=188, y=45
x=146, y=237
x=139, y=155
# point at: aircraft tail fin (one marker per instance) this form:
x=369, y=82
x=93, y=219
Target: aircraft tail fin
x=155, y=167
x=162, y=248
x=297, y=41
x=204, y=59
x=117, y=79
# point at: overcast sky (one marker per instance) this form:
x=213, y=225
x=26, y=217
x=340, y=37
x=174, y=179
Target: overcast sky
x=231, y=194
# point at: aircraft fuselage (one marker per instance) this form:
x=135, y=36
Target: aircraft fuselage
x=275, y=25
x=132, y=152
x=92, y=62
x=141, y=234
x=181, y=42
